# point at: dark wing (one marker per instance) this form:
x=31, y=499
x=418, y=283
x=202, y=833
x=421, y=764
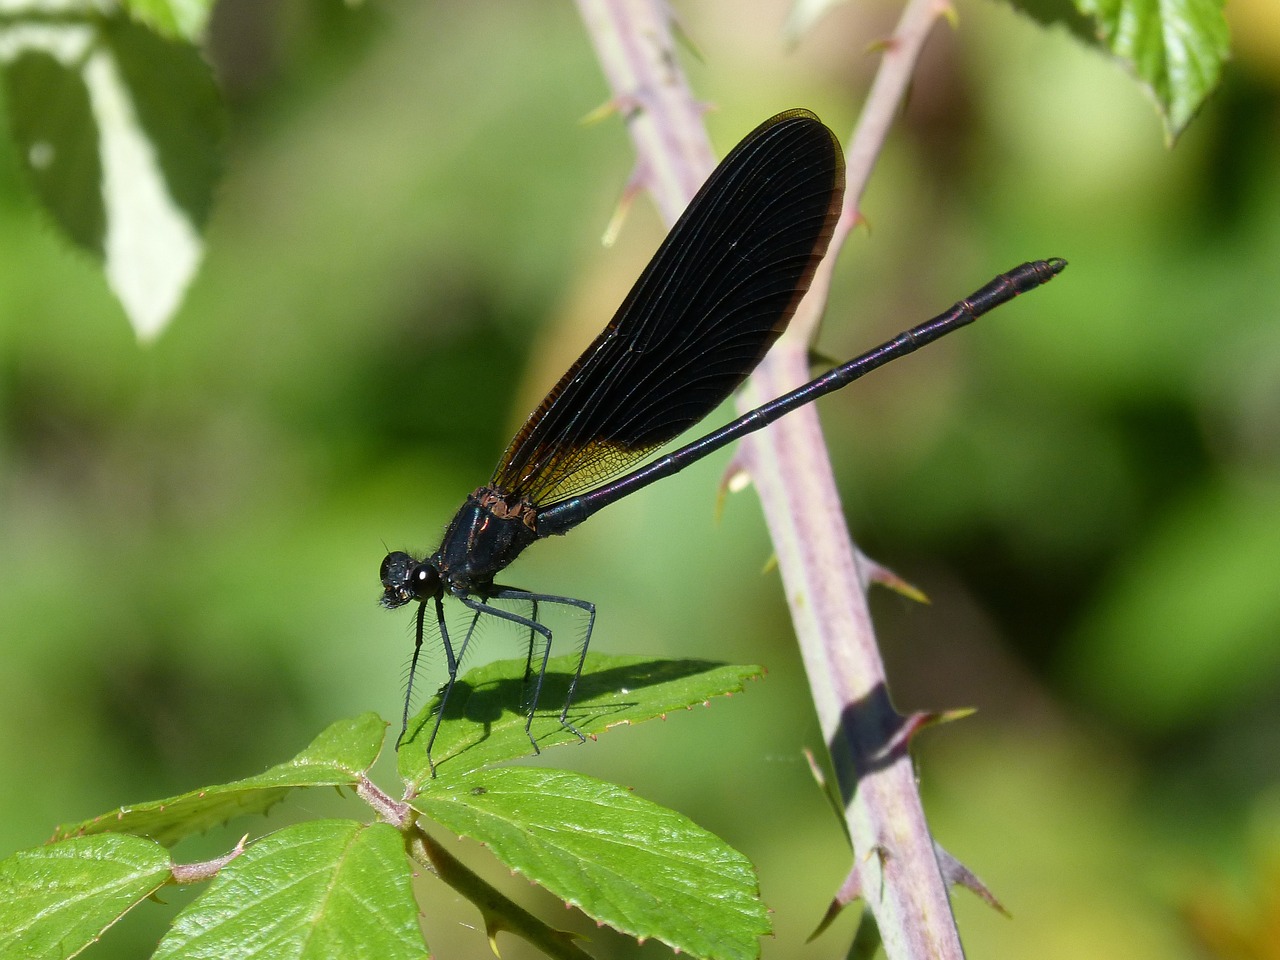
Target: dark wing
x=714, y=298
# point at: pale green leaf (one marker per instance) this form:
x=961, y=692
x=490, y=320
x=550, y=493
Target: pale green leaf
x=337, y=757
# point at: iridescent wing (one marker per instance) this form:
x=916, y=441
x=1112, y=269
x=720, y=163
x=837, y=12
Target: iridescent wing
x=714, y=298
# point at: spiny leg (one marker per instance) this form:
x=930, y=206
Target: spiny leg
x=413, y=669
x=510, y=593
x=528, y=659
x=452, y=663
x=535, y=627
x=471, y=628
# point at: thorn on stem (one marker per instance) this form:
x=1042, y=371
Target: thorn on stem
x=957, y=874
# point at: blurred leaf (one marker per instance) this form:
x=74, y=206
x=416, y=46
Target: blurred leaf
x=803, y=15
x=643, y=869
x=485, y=718
x=335, y=758
x=1176, y=48
x=329, y=888
x=120, y=132
x=1189, y=625
x=52, y=122
x=183, y=19
x=56, y=900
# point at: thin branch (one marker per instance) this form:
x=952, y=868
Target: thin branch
x=884, y=103
x=208, y=869
x=499, y=911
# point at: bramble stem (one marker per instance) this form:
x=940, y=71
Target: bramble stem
x=824, y=576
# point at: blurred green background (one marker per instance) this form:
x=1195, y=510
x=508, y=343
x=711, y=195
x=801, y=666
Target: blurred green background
x=404, y=255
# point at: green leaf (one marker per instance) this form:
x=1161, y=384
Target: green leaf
x=324, y=889
x=52, y=123
x=485, y=717
x=337, y=757
x=641, y=868
x=58, y=899
x=178, y=19
x=1177, y=48
x=120, y=131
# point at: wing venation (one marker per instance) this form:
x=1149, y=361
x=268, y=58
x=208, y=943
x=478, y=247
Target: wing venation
x=720, y=290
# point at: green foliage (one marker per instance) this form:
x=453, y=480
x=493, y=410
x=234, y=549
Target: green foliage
x=120, y=127
x=409, y=229
x=336, y=758
x=52, y=123
x=477, y=730
x=120, y=131
x=1176, y=48
x=56, y=900
x=1151, y=625
x=643, y=869
x=329, y=888
x=184, y=19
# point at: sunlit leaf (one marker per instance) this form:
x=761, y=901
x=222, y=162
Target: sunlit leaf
x=641, y=868
x=485, y=716
x=1177, y=48
x=324, y=889
x=58, y=899
x=183, y=19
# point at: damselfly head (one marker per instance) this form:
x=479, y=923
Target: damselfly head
x=405, y=579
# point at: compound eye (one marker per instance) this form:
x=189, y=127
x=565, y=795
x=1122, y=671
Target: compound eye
x=396, y=568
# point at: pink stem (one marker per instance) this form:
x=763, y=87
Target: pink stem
x=895, y=866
